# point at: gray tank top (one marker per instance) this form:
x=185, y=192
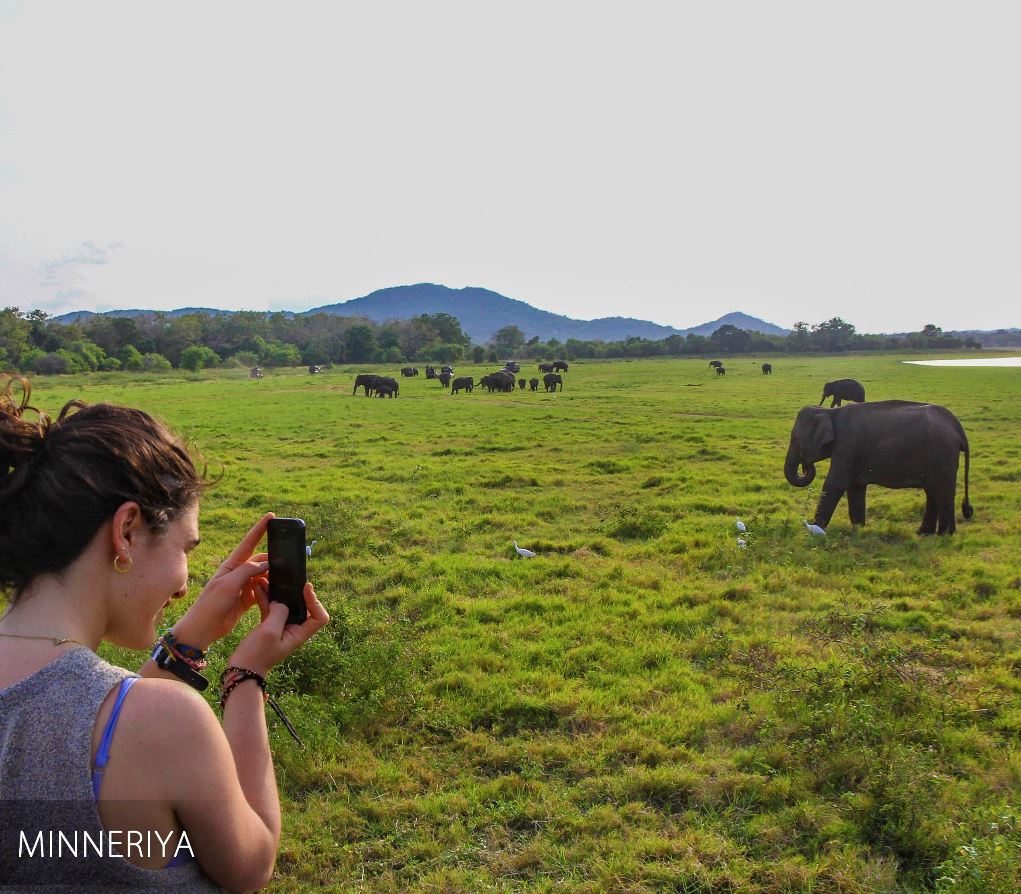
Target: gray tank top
x=46, y=724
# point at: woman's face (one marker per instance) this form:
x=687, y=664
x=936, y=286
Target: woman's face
x=158, y=575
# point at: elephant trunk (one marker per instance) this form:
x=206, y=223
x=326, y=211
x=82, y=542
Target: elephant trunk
x=790, y=470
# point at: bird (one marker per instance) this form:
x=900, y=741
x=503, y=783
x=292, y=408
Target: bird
x=741, y=542
x=308, y=549
x=815, y=529
x=741, y=526
x=521, y=551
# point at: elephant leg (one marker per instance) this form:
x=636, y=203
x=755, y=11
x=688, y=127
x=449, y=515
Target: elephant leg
x=832, y=490
x=928, y=525
x=856, y=503
x=946, y=520
x=835, y=402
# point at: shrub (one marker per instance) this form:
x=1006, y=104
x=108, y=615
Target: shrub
x=131, y=358
x=155, y=363
x=197, y=357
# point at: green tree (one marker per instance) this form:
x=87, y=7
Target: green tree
x=131, y=358
x=196, y=357
x=360, y=344
x=478, y=354
x=154, y=362
x=508, y=339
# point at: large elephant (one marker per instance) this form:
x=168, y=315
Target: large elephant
x=893, y=443
x=721, y=370
x=465, y=382
x=841, y=390
x=551, y=380
x=767, y=369
x=559, y=366
x=367, y=380
x=715, y=363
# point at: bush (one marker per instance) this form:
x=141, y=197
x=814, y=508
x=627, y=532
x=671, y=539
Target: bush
x=131, y=358
x=52, y=364
x=198, y=357
x=246, y=359
x=155, y=363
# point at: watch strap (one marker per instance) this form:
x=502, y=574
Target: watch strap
x=168, y=661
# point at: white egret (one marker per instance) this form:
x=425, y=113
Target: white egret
x=815, y=529
x=521, y=551
x=741, y=526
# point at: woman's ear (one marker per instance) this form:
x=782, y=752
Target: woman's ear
x=125, y=526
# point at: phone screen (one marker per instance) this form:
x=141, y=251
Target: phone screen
x=287, y=566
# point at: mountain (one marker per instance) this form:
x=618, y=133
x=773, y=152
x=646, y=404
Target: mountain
x=481, y=312
x=740, y=321
x=82, y=316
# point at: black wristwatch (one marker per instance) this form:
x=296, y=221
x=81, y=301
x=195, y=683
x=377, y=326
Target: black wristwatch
x=168, y=661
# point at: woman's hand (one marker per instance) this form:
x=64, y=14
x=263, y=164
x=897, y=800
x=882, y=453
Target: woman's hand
x=274, y=639
x=239, y=583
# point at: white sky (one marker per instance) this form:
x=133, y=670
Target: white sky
x=671, y=161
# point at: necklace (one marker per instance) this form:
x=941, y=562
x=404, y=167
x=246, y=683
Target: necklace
x=56, y=640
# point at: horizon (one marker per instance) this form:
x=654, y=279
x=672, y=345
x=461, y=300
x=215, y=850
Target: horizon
x=676, y=158
x=199, y=309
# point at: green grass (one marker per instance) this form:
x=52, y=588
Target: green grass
x=645, y=707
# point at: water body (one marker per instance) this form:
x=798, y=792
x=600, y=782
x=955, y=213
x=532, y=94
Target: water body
x=991, y=361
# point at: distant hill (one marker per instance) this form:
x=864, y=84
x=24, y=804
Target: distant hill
x=81, y=316
x=481, y=312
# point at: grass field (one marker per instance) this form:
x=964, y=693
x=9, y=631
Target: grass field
x=645, y=707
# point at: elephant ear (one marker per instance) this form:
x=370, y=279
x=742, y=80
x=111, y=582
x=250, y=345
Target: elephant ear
x=822, y=435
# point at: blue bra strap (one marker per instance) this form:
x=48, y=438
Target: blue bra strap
x=103, y=752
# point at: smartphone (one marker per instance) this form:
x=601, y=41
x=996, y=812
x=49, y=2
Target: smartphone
x=287, y=566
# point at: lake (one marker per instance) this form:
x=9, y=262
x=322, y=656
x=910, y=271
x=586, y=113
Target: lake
x=989, y=361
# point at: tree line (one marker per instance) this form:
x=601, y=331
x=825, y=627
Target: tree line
x=32, y=342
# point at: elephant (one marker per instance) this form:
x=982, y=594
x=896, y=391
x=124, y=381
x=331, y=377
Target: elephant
x=533, y=384
x=892, y=443
x=444, y=378
x=366, y=379
x=385, y=382
x=409, y=371
x=465, y=382
x=720, y=371
x=521, y=384
x=545, y=367
x=560, y=366
x=385, y=389
x=716, y=363
x=841, y=390
x=767, y=369
x=551, y=380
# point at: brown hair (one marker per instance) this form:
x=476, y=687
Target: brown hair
x=60, y=480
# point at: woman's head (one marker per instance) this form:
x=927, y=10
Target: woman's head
x=61, y=480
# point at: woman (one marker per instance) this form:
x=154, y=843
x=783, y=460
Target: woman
x=98, y=512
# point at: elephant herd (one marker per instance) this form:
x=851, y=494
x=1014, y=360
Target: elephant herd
x=503, y=380
x=892, y=443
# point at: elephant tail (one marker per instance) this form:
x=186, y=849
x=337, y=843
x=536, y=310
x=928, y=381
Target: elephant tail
x=966, y=509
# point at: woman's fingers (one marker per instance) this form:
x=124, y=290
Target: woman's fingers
x=248, y=543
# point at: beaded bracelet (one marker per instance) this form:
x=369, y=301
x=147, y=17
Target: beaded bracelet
x=233, y=676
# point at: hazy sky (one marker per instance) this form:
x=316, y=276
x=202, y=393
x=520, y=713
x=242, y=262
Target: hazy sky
x=670, y=161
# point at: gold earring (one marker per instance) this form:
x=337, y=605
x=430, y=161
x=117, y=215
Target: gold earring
x=117, y=565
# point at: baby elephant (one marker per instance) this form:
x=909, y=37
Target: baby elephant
x=533, y=384
x=720, y=371
x=893, y=443
x=841, y=390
